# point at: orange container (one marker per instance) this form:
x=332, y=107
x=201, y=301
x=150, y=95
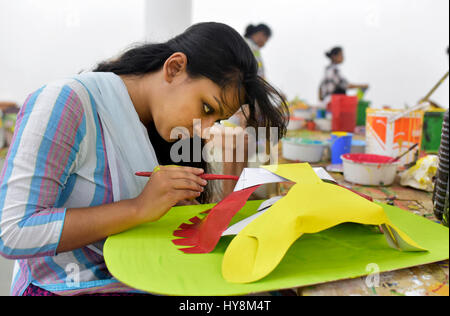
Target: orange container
x=393, y=139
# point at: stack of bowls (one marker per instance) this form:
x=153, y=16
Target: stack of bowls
x=304, y=150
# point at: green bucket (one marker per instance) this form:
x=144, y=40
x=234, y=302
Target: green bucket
x=432, y=129
x=361, y=112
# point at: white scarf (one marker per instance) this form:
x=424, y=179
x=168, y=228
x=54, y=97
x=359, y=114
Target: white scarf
x=128, y=146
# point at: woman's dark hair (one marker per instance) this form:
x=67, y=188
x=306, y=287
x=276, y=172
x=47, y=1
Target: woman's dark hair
x=334, y=52
x=219, y=53
x=252, y=29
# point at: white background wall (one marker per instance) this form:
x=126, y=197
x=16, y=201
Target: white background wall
x=397, y=46
x=46, y=39
x=42, y=40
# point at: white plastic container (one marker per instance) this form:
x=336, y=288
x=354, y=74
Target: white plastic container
x=295, y=123
x=358, y=147
x=323, y=124
x=306, y=114
x=304, y=150
x=366, y=169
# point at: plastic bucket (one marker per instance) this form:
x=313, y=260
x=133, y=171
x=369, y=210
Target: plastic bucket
x=304, y=150
x=320, y=113
x=393, y=139
x=343, y=109
x=358, y=147
x=341, y=143
x=365, y=169
x=361, y=112
x=432, y=130
x=323, y=124
x=295, y=123
x=306, y=114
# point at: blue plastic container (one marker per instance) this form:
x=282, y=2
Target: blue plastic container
x=341, y=143
x=320, y=113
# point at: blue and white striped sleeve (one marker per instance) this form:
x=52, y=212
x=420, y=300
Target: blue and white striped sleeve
x=45, y=146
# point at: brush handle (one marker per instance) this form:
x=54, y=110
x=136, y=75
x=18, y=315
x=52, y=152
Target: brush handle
x=399, y=157
x=205, y=176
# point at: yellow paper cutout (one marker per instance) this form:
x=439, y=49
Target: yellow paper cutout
x=309, y=207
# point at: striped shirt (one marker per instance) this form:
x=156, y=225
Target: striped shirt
x=333, y=82
x=57, y=160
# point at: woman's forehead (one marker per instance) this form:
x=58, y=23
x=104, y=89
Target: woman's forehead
x=229, y=97
x=233, y=97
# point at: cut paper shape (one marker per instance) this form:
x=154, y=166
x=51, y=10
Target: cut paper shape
x=236, y=228
x=256, y=176
x=309, y=207
x=263, y=240
x=144, y=257
x=204, y=235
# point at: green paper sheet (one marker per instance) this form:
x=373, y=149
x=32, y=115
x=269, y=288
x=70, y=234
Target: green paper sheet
x=145, y=258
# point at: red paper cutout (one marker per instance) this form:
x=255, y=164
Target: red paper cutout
x=204, y=234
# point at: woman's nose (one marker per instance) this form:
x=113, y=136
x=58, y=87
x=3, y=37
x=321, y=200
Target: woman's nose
x=207, y=124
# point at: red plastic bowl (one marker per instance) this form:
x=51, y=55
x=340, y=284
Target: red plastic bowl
x=368, y=158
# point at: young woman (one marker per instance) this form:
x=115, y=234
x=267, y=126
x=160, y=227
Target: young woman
x=257, y=37
x=334, y=82
x=68, y=181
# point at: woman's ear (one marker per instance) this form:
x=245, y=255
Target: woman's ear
x=174, y=66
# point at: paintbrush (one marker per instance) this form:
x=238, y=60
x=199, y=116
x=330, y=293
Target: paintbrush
x=205, y=176
x=399, y=157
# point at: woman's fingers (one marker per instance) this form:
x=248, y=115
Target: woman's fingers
x=180, y=195
x=185, y=184
x=196, y=171
x=175, y=175
x=187, y=173
x=187, y=202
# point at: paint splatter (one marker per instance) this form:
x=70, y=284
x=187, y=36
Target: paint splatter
x=440, y=289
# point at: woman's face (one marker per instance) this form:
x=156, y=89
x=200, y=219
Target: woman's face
x=189, y=100
x=338, y=58
x=181, y=99
x=260, y=39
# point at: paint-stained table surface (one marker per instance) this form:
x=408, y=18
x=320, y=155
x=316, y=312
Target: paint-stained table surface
x=427, y=280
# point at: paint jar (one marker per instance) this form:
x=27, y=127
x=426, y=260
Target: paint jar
x=320, y=113
x=306, y=114
x=432, y=130
x=340, y=144
x=304, y=150
x=372, y=170
x=295, y=123
x=393, y=139
x=361, y=112
x=358, y=147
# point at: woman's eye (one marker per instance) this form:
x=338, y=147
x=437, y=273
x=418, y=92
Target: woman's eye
x=207, y=109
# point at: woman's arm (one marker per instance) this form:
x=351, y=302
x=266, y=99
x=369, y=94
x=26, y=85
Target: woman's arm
x=84, y=226
x=358, y=86
x=46, y=147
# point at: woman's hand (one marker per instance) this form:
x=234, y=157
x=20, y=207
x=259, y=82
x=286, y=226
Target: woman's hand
x=166, y=188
